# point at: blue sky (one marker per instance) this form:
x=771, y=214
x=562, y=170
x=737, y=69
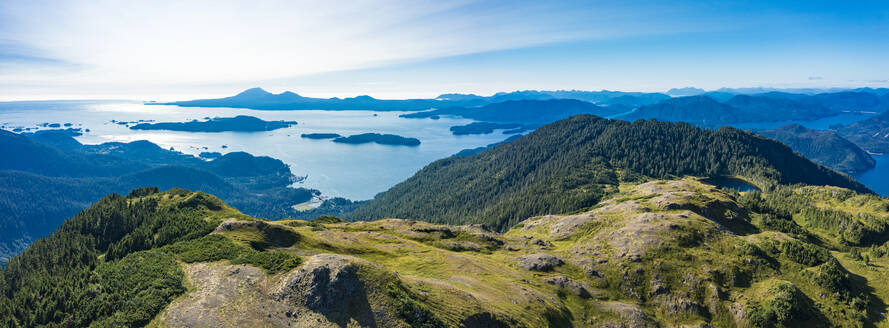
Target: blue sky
x=392, y=49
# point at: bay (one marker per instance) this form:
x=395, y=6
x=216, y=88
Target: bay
x=356, y=172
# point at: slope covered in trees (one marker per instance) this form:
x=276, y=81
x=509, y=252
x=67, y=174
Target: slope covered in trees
x=43, y=184
x=698, y=110
x=662, y=253
x=108, y=266
x=871, y=134
x=823, y=147
x=572, y=164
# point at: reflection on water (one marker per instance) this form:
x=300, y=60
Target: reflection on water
x=731, y=183
x=352, y=171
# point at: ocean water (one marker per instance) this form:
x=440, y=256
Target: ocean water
x=820, y=124
x=878, y=177
x=353, y=171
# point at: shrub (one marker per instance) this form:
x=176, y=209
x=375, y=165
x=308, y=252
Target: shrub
x=804, y=253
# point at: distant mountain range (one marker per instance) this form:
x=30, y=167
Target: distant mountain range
x=523, y=111
x=723, y=106
x=714, y=110
x=257, y=98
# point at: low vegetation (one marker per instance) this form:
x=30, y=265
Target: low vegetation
x=655, y=253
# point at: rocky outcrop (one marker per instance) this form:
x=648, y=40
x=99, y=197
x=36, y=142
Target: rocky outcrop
x=579, y=289
x=323, y=283
x=539, y=262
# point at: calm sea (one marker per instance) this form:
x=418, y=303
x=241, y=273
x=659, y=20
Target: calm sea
x=353, y=171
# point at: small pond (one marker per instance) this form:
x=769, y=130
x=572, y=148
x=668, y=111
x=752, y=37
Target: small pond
x=730, y=183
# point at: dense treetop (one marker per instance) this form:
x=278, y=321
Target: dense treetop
x=823, y=147
x=571, y=164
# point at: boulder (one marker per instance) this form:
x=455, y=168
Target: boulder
x=539, y=262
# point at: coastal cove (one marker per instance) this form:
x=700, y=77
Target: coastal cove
x=336, y=169
x=878, y=177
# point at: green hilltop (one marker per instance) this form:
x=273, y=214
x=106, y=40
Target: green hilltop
x=573, y=164
x=658, y=253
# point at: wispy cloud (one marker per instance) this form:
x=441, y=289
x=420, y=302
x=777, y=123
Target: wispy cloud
x=135, y=46
x=206, y=41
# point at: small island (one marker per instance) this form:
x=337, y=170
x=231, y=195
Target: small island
x=382, y=139
x=210, y=155
x=241, y=123
x=486, y=128
x=320, y=135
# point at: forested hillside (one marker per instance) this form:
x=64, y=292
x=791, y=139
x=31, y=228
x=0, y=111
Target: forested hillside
x=49, y=283
x=663, y=253
x=42, y=184
x=823, y=147
x=871, y=134
x=572, y=164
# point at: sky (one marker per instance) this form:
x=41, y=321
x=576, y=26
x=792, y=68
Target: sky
x=172, y=50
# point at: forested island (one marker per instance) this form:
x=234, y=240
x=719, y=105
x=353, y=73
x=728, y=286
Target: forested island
x=487, y=127
x=240, y=123
x=320, y=135
x=382, y=139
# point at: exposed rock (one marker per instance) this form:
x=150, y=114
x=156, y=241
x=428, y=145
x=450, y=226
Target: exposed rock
x=324, y=281
x=630, y=315
x=577, y=288
x=235, y=224
x=542, y=243
x=485, y=320
x=539, y=262
x=461, y=246
x=639, y=233
x=568, y=225
x=675, y=200
x=613, y=206
x=326, y=292
x=677, y=305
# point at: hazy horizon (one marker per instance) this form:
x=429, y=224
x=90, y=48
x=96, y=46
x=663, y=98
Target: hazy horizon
x=405, y=49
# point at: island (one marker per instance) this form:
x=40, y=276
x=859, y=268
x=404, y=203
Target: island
x=473, y=151
x=240, y=123
x=210, y=155
x=382, y=139
x=485, y=128
x=320, y=135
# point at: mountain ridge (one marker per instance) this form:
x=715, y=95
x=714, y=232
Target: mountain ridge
x=573, y=163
